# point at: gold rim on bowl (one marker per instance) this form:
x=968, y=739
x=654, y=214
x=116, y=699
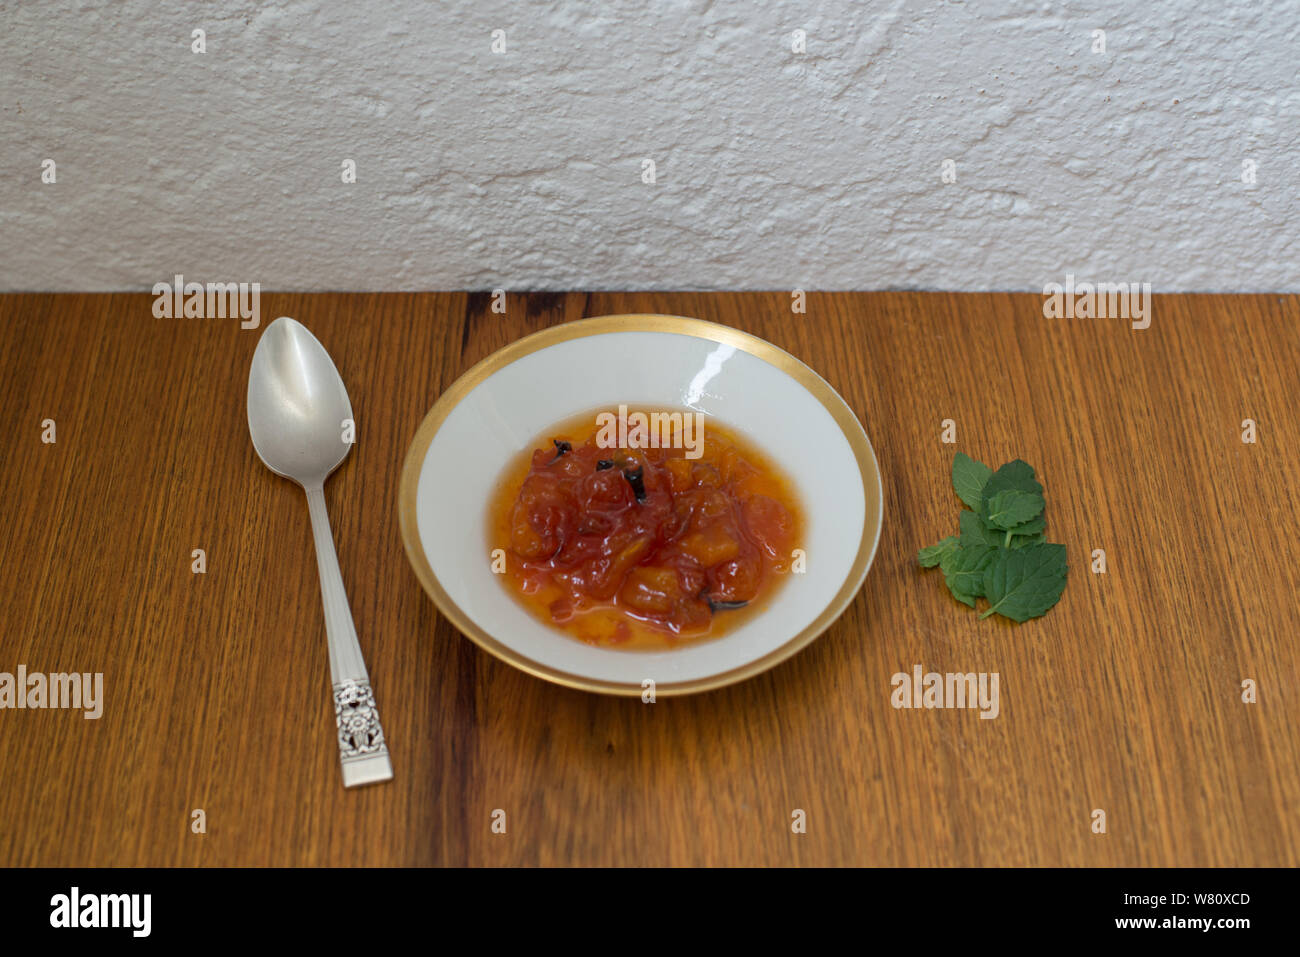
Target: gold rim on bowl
x=820, y=389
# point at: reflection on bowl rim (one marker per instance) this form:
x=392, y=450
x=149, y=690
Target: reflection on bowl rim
x=830, y=400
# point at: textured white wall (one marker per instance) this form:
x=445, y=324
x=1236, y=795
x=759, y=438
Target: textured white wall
x=774, y=169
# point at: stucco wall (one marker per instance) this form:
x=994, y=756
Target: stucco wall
x=773, y=169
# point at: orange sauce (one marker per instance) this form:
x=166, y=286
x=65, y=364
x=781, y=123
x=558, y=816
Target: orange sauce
x=622, y=544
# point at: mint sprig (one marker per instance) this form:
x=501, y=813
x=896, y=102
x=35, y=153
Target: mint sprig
x=1001, y=553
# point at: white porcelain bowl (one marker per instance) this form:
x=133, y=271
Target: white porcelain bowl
x=499, y=406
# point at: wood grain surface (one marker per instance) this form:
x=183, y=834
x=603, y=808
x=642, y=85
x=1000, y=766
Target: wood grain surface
x=1126, y=697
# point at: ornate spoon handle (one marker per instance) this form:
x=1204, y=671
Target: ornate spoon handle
x=362, y=749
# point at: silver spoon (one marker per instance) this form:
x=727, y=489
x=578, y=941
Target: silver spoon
x=300, y=418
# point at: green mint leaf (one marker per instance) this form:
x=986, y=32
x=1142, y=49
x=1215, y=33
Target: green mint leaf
x=963, y=571
x=1025, y=534
x=1033, y=527
x=968, y=478
x=1022, y=583
x=1014, y=476
x=975, y=532
x=931, y=555
x=1012, y=507
x=1020, y=541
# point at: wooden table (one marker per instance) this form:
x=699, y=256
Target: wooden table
x=1126, y=697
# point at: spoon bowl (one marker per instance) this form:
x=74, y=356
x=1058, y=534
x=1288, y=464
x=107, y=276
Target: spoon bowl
x=298, y=407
